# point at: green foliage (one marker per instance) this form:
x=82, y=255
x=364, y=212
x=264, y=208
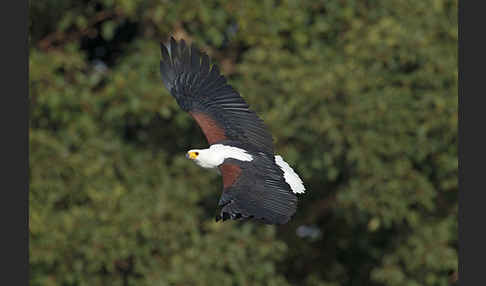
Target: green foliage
x=360, y=96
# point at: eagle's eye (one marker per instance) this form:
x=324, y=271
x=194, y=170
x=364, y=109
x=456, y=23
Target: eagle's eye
x=192, y=155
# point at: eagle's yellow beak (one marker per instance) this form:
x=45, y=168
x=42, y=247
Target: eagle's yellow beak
x=191, y=155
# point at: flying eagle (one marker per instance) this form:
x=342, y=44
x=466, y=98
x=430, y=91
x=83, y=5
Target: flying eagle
x=257, y=183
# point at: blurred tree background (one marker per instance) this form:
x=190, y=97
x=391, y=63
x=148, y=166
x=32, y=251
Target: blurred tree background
x=360, y=96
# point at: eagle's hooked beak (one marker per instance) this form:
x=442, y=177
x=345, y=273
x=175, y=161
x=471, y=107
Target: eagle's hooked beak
x=191, y=155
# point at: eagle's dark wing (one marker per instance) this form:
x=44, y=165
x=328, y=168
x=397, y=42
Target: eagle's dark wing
x=257, y=190
x=200, y=90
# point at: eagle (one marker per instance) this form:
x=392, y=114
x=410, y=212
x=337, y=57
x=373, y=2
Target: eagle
x=257, y=183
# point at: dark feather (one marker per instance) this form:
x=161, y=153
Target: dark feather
x=260, y=192
x=199, y=87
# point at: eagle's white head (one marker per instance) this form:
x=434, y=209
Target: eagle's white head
x=216, y=154
x=203, y=157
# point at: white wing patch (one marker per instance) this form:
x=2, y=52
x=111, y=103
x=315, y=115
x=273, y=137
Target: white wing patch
x=230, y=152
x=290, y=176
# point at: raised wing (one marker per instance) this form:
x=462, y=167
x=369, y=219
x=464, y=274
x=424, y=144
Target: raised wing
x=200, y=90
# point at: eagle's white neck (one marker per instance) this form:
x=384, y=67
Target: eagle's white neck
x=215, y=155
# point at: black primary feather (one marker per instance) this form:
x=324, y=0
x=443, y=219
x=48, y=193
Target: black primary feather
x=260, y=193
x=198, y=86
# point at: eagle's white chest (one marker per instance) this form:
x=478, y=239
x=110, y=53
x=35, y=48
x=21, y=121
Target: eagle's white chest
x=207, y=164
